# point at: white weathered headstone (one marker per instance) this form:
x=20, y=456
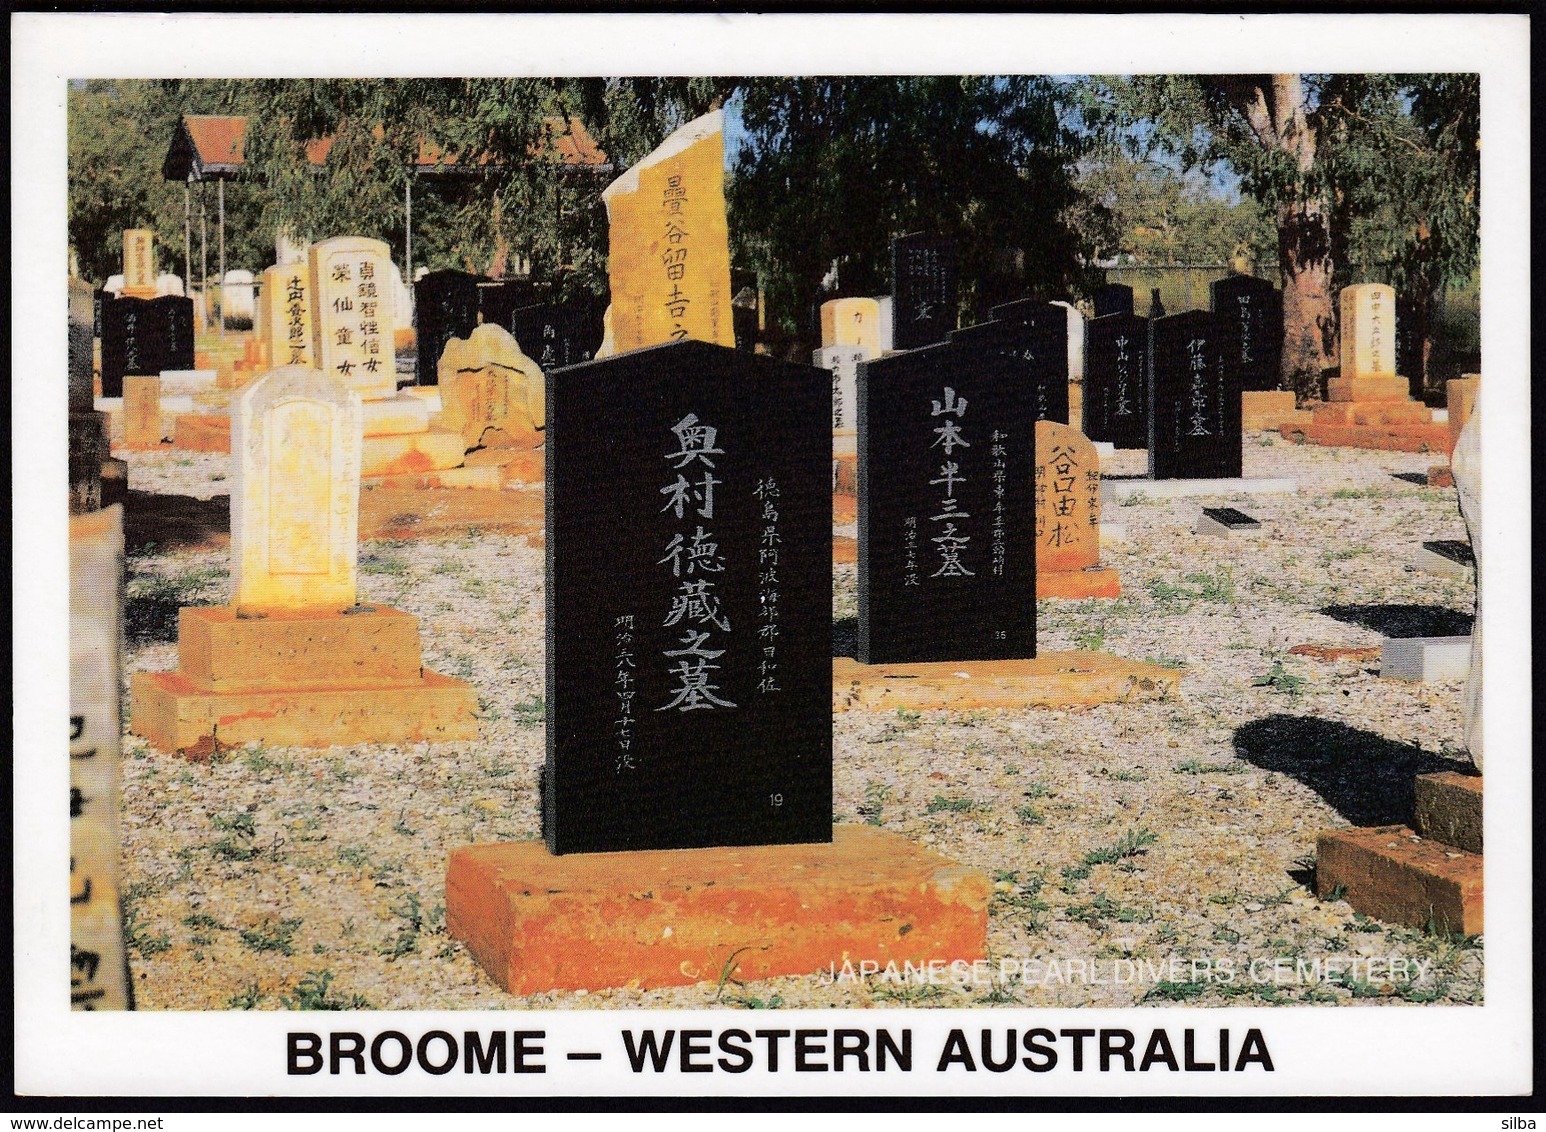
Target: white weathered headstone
x=353, y=314
x=1075, y=341
x=98, y=967
x=237, y=298
x=296, y=438
x=169, y=284
x=843, y=362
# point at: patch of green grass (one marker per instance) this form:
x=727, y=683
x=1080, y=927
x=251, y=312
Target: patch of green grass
x=354, y=856
x=272, y=935
x=1280, y=680
x=530, y=713
x=449, y=566
x=246, y=999
x=1178, y=990
x=1164, y=661
x=940, y=804
x=908, y=994
x=1091, y=640
x=1197, y=766
x=415, y=922
x=240, y=828
x=138, y=937
x=152, y=601
x=1030, y=815
x=1130, y=844
x=1362, y=493
x=1124, y=775
x=1035, y=789
x=1103, y=908
x=374, y=562
x=876, y=795
x=1137, y=499
x=1218, y=586
x=314, y=992
x=203, y=920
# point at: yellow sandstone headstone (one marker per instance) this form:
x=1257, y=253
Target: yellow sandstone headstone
x=851, y=322
x=670, y=242
x=1067, y=499
x=295, y=449
x=284, y=315
x=1368, y=331
x=139, y=263
x=490, y=391
x=353, y=319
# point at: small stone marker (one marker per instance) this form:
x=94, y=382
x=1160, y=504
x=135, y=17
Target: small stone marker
x=286, y=306
x=924, y=289
x=851, y=322
x=1194, y=403
x=1113, y=298
x=1225, y=521
x=1447, y=807
x=1368, y=317
x=491, y=392
x=99, y=976
x=142, y=412
x=1450, y=557
x=1067, y=483
x=1390, y=873
x=557, y=334
x=1461, y=399
x=669, y=256
x=689, y=565
x=947, y=554
x=445, y=306
x=1250, y=317
x=1425, y=659
x=295, y=436
x=353, y=321
x=1116, y=398
x=139, y=264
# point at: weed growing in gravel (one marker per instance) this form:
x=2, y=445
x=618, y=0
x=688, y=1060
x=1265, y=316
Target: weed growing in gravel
x=247, y=999
x=1197, y=766
x=1030, y=815
x=531, y=713
x=449, y=566
x=414, y=922
x=1281, y=680
x=240, y=828
x=312, y=993
x=354, y=856
x=1091, y=640
x=1130, y=844
x=1123, y=775
x=876, y=795
x=138, y=937
x=1035, y=789
x=151, y=601
x=908, y=994
x=376, y=563
x=272, y=935
x=940, y=804
x=1215, y=587
x=1103, y=908
x=1136, y=499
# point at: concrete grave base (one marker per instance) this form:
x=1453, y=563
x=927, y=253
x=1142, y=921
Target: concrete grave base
x=299, y=679
x=1207, y=525
x=409, y=453
x=1105, y=449
x=1392, y=874
x=1053, y=679
x=1119, y=491
x=389, y=511
x=516, y=465
x=203, y=432
x=1112, y=531
x=1448, y=808
x=1265, y=409
x=1423, y=659
x=1073, y=585
x=588, y=921
x=485, y=476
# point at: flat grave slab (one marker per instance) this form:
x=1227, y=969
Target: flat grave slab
x=1424, y=659
x=1053, y=679
x=1450, y=558
x=654, y=918
x=1222, y=522
x=1119, y=490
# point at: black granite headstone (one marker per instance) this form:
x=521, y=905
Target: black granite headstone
x=97, y=299
x=445, y=306
x=1194, y=406
x=1113, y=298
x=131, y=342
x=947, y=555
x=1233, y=518
x=1250, y=314
x=1156, y=304
x=923, y=289
x=1410, y=332
x=174, y=329
x=1036, y=346
x=80, y=360
x=557, y=334
x=689, y=602
x=1116, y=374
x=743, y=310
x=497, y=298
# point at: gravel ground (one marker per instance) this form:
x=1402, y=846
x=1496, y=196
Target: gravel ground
x=1135, y=847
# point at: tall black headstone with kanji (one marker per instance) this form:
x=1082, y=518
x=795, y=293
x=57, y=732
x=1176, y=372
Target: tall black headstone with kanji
x=1411, y=329
x=947, y=566
x=1250, y=315
x=1113, y=298
x=173, y=322
x=1116, y=375
x=445, y=306
x=497, y=298
x=689, y=602
x=1037, y=348
x=924, y=286
x=131, y=342
x=1194, y=401
x=557, y=334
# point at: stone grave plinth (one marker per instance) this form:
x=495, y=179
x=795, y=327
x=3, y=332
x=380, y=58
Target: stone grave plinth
x=1067, y=483
x=1368, y=405
x=647, y=919
x=491, y=397
x=295, y=660
x=1049, y=680
x=1268, y=410
x=687, y=805
x=1427, y=876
